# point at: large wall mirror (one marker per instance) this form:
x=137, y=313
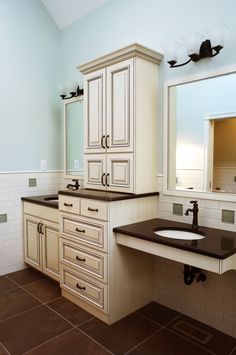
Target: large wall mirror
x=73, y=137
x=200, y=136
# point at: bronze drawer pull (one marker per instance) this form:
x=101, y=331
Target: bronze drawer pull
x=80, y=230
x=92, y=209
x=68, y=204
x=106, y=141
x=79, y=259
x=80, y=287
x=102, y=140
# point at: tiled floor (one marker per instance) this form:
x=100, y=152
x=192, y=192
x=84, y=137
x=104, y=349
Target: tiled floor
x=35, y=319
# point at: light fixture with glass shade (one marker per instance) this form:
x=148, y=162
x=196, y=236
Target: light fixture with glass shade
x=72, y=89
x=196, y=47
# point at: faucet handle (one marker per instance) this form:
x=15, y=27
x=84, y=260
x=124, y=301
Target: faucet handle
x=194, y=202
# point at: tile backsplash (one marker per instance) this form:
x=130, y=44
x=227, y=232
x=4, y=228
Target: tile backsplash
x=12, y=187
x=213, y=301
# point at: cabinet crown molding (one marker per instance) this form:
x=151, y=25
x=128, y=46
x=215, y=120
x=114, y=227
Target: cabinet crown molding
x=131, y=51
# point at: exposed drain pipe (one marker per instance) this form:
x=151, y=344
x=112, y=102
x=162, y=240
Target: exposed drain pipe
x=190, y=272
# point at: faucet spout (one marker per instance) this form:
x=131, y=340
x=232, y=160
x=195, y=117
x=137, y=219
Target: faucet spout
x=194, y=210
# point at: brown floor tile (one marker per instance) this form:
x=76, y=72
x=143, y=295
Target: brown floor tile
x=217, y=342
x=30, y=329
x=158, y=313
x=168, y=343
x=122, y=335
x=46, y=290
x=6, y=285
x=26, y=276
x=3, y=351
x=71, y=343
x=70, y=311
x=15, y=301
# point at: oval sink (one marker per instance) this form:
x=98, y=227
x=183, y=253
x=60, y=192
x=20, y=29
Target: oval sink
x=179, y=234
x=51, y=198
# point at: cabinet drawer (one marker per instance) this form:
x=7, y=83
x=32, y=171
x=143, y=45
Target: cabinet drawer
x=93, y=293
x=93, y=264
x=94, y=209
x=88, y=233
x=69, y=204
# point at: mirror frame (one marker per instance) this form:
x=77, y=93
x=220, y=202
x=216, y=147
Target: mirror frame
x=167, y=85
x=65, y=103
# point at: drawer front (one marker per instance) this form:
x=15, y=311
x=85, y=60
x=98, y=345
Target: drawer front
x=69, y=204
x=94, y=209
x=93, y=293
x=91, y=234
x=93, y=264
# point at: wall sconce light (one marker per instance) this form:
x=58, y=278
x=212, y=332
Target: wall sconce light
x=73, y=90
x=196, y=47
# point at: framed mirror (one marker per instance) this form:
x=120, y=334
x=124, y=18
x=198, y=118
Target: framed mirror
x=200, y=136
x=73, y=137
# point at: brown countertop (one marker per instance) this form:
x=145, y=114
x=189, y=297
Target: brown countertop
x=217, y=243
x=105, y=195
x=44, y=200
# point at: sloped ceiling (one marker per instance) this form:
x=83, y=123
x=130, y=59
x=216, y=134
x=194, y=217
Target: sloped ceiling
x=65, y=12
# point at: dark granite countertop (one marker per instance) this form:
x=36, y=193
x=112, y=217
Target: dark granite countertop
x=217, y=243
x=105, y=195
x=44, y=200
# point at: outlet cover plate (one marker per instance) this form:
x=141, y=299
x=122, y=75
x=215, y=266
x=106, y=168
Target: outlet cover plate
x=32, y=182
x=3, y=218
x=227, y=216
x=178, y=209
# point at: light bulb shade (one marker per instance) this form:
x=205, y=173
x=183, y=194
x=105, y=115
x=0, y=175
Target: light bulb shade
x=171, y=51
x=193, y=43
x=62, y=89
x=217, y=34
x=72, y=86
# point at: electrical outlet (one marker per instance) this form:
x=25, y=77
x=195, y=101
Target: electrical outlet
x=178, y=209
x=32, y=182
x=3, y=218
x=43, y=164
x=76, y=164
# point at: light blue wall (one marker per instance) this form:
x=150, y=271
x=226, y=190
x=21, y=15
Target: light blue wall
x=29, y=68
x=151, y=23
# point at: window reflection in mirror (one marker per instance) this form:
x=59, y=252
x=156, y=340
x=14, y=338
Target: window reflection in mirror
x=74, y=137
x=201, y=135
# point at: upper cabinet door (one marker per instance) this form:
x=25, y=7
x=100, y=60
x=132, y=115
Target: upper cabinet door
x=95, y=111
x=120, y=107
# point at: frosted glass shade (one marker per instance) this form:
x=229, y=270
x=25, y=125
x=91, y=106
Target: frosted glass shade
x=72, y=86
x=171, y=51
x=217, y=34
x=193, y=43
x=62, y=89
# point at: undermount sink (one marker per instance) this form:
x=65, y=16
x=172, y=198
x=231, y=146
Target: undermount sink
x=51, y=198
x=179, y=234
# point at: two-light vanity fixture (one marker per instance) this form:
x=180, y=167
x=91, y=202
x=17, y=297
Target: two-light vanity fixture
x=196, y=47
x=72, y=90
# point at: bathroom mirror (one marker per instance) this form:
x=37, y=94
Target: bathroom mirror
x=73, y=137
x=200, y=136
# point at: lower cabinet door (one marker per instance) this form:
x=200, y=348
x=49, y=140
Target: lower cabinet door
x=120, y=172
x=92, y=292
x=95, y=169
x=50, y=249
x=32, y=241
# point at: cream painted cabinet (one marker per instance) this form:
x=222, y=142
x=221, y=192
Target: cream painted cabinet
x=41, y=239
x=121, y=120
x=96, y=274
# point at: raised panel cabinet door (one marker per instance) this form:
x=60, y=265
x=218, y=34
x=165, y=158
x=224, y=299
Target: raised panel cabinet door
x=120, y=107
x=32, y=241
x=50, y=249
x=120, y=172
x=95, y=171
x=95, y=111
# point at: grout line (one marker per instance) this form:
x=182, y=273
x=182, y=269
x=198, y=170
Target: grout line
x=4, y=348
x=20, y=313
x=173, y=320
x=48, y=341
x=33, y=282
x=143, y=341
x=146, y=318
x=231, y=352
x=190, y=341
x=86, y=321
x=53, y=310
x=95, y=340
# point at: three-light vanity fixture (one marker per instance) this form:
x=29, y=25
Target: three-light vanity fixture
x=72, y=90
x=196, y=46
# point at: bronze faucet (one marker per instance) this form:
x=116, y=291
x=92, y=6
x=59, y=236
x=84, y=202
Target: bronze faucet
x=195, y=210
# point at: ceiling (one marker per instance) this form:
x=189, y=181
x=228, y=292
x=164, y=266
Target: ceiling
x=65, y=12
